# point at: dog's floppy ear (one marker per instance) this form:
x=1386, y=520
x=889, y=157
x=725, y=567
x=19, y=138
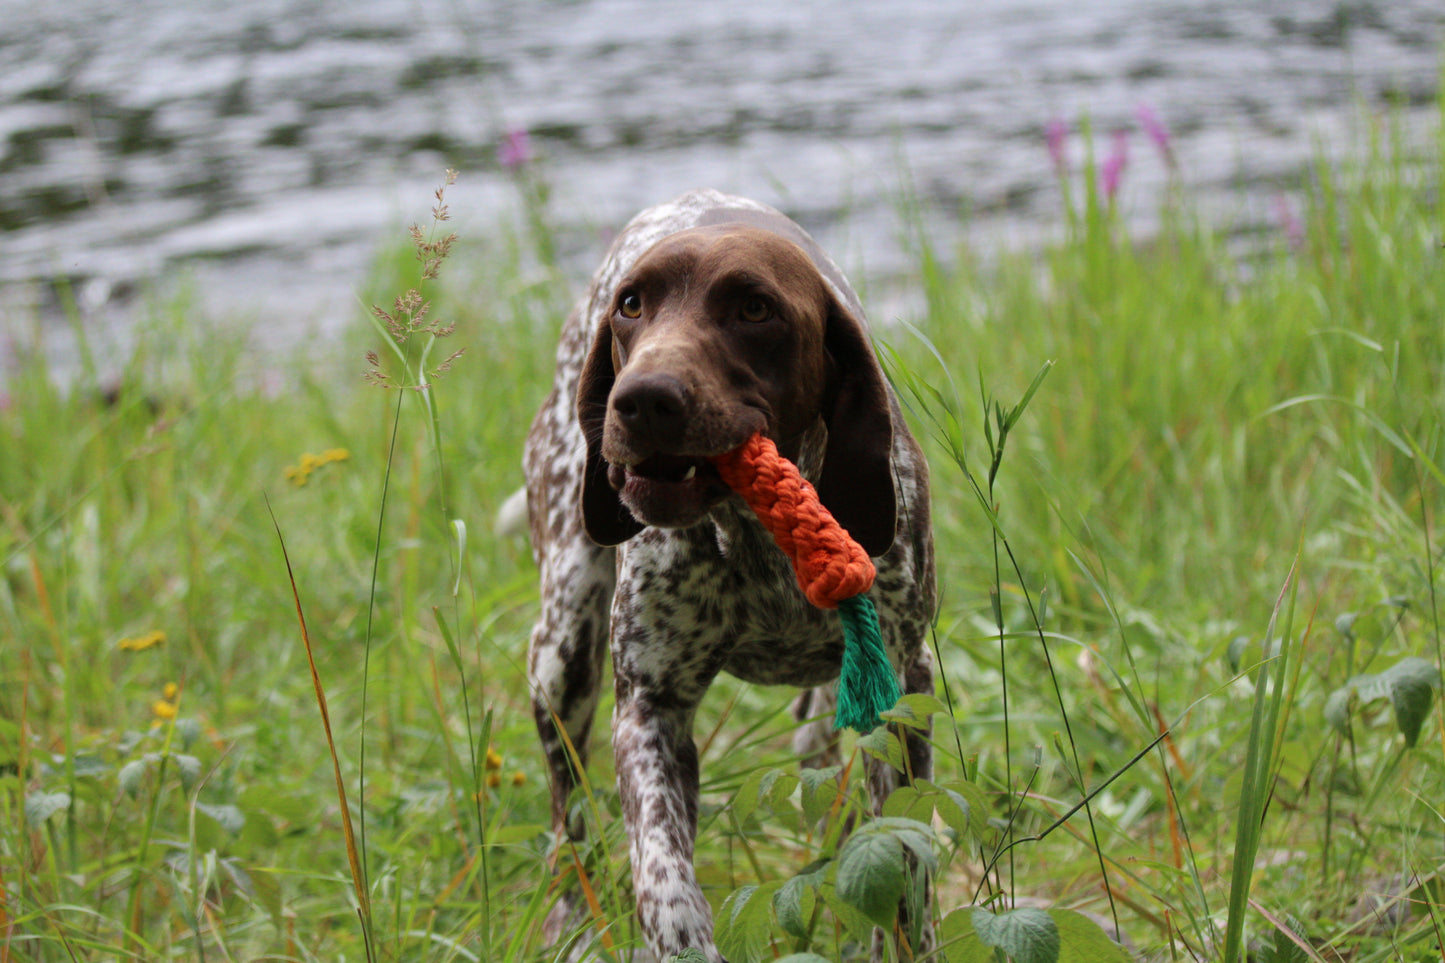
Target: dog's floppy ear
x=856, y=483
x=604, y=518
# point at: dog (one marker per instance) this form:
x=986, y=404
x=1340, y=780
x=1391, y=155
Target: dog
x=711, y=318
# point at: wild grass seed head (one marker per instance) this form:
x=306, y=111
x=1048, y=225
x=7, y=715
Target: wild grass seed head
x=410, y=313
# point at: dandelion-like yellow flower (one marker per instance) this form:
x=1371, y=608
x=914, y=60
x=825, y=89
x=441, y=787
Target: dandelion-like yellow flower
x=163, y=709
x=494, y=759
x=170, y=691
x=141, y=642
x=519, y=778
x=494, y=779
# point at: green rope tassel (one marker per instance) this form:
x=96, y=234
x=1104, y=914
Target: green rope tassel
x=867, y=686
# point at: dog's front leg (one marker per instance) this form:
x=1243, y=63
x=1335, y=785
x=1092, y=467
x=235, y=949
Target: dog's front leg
x=657, y=778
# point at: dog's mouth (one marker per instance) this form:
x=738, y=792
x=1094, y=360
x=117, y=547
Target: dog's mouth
x=661, y=469
x=667, y=490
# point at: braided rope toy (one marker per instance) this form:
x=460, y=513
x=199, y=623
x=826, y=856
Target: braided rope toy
x=833, y=571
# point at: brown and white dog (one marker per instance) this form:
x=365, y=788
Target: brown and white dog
x=711, y=318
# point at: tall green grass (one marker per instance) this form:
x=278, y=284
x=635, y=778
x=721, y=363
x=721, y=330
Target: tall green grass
x=1223, y=427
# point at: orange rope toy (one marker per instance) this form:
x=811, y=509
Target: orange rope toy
x=833, y=571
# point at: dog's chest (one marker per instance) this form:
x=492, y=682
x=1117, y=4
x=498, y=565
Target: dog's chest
x=722, y=596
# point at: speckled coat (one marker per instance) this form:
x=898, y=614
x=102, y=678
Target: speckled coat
x=688, y=584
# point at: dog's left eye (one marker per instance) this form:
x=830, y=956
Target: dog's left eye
x=756, y=309
x=630, y=307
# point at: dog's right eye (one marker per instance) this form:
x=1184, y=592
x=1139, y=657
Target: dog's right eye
x=630, y=307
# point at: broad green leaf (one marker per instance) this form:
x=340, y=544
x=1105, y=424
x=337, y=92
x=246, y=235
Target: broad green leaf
x=1409, y=685
x=777, y=788
x=1412, y=690
x=882, y=744
x=1337, y=708
x=960, y=942
x=1234, y=655
x=190, y=769
x=1027, y=935
x=130, y=776
x=870, y=875
x=857, y=925
x=40, y=806
x=745, y=923
x=745, y=800
x=689, y=955
x=970, y=802
x=230, y=818
x=820, y=791
x=266, y=889
x=1081, y=940
x=795, y=901
x=917, y=836
x=88, y=764
x=803, y=958
x=189, y=730
x=914, y=710
x=909, y=802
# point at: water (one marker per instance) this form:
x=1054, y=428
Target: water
x=265, y=149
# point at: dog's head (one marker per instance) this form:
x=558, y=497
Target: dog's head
x=717, y=333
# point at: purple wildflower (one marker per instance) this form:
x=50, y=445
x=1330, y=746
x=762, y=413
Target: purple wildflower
x=1111, y=172
x=1056, y=132
x=1289, y=222
x=516, y=149
x=1157, y=132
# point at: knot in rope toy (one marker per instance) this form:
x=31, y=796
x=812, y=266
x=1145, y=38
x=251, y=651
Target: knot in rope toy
x=833, y=571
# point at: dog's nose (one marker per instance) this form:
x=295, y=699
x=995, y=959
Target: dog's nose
x=652, y=408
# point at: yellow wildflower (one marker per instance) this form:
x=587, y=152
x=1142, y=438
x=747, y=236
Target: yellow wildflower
x=494, y=779
x=299, y=473
x=170, y=691
x=163, y=709
x=142, y=642
x=519, y=778
x=494, y=759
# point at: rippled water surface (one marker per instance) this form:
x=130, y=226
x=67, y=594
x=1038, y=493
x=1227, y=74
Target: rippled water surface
x=267, y=147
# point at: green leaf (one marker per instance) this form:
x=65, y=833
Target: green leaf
x=914, y=710
x=189, y=730
x=1234, y=655
x=40, y=806
x=745, y=923
x=909, y=802
x=803, y=958
x=870, y=875
x=1027, y=935
x=965, y=799
x=266, y=890
x=1412, y=690
x=796, y=899
x=1081, y=940
x=745, y=800
x=858, y=926
x=190, y=769
x=882, y=744
x=820, y=791
x=777, y=788
x=774, y=785
x=130, y=776
x=230, y=818
x=960, y=942
x=689, y=955
x=916, y=835
x=1409, y=685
